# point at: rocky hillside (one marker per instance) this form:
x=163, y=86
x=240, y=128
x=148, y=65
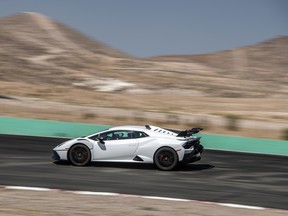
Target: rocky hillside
x=266, y=61
x=37, y=50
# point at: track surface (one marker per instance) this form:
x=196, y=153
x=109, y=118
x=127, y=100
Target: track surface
x=249, y=179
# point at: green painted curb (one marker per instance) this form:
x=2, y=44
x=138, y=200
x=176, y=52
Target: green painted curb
x=45, y=128
x=244, y=144
x=30, y=127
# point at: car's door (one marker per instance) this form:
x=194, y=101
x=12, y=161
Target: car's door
x=115, y=145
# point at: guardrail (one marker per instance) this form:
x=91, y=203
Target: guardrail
x=47, y=128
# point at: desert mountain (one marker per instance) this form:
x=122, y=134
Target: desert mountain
x=37, y=50
x=266, y=61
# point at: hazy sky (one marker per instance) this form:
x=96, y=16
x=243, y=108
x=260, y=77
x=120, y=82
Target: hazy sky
x=156, y=27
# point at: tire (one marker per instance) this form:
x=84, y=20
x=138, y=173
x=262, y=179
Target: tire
x=166, y=159
x=79, y=155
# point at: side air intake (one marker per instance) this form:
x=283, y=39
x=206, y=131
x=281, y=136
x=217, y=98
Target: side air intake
x=137, y=158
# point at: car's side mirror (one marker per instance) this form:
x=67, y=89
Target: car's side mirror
x=101, y=140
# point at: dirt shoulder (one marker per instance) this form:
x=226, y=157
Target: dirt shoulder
x=227, y=123
x=30, y=203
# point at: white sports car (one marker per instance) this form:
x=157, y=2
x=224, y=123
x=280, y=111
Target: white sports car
x=166, y=148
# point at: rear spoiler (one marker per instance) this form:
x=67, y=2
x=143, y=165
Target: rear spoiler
x=188, y=133
x=179, y=133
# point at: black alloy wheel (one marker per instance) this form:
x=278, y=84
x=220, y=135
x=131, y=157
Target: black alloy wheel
x=79, y=155
x=166, y=159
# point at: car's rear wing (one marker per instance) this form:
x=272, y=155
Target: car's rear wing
x=178, y=133
x=185, y=133
x=188, y=133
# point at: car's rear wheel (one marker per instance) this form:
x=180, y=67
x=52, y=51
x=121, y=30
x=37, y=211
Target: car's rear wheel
x=166, y=159
x=79, y=155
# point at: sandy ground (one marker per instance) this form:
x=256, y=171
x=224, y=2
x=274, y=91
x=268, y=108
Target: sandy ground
x=58, y=203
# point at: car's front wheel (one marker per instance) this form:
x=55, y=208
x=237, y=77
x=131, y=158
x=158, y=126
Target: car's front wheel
x=79, y=155
x=166, y=159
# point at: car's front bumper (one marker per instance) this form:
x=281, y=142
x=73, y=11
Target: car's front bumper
x=55, y=155
x=59, y=154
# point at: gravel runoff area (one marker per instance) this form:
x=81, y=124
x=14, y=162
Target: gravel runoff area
x=27, y=202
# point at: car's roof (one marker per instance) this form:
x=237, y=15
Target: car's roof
x=129, y=127
x=149, y=129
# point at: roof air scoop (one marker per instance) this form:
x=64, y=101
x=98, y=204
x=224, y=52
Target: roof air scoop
x=148, y=127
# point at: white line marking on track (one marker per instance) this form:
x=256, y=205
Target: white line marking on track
x=94, y=193
x=241, y=206
x=27, y=188
x=165, y=198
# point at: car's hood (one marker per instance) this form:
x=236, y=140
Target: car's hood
x=65, y=145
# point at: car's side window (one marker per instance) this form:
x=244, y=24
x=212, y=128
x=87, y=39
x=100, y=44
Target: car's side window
x=94, y=137
x=106, y=136
x=140, y=134
x=119, y=135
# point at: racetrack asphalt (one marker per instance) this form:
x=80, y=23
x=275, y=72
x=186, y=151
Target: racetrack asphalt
x=226, y=177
